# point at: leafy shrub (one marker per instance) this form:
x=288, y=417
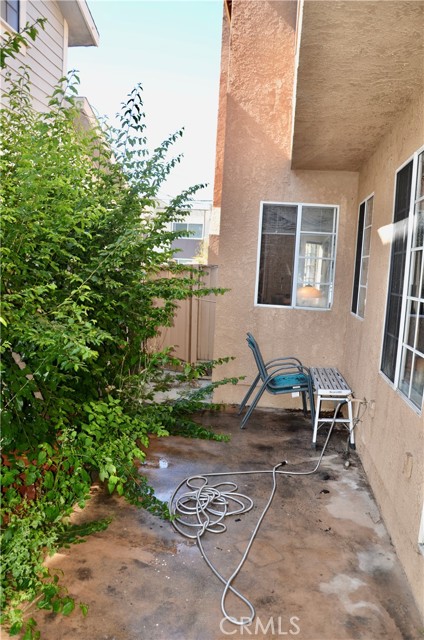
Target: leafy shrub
x=84, y=249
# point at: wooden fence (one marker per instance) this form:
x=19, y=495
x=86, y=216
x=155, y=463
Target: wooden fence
x=192, y=334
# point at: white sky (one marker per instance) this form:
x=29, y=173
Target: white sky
x=171, y=47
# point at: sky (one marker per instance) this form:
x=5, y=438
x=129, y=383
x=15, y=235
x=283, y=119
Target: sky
x=171, y=47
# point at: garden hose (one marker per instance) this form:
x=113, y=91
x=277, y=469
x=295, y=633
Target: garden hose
x=204, y=507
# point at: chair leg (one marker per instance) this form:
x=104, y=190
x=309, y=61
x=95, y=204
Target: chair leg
x=305, y=408
x=248, y=394
x=252, y=406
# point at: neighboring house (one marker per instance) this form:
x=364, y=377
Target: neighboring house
x=319, y=177
x=69, y=24
x=193, y=249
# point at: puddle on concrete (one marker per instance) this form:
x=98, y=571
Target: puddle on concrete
x=155, y=463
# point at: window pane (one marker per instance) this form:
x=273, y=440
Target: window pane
x=313, y=296
x=367, y=241
x=388, y=360
x=368, y=211
x=180, y=226
x=362, y=298
x=315, y=245
x=419, y=225
x=318, y=219
x=420, y=336
x=415, y=274
x=276, y=269
x=406, y=369
x=393, y=315
x=410, y=324
x=196, y=230
x=364, y=272
x=279, y=218
x=314, y=272
x=10, y=13
x=417, y=387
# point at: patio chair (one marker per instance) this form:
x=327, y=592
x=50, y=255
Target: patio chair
x=278, y=376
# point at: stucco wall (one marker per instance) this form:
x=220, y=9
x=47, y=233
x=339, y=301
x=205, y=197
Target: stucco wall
x=391, y=436
x=257, y=167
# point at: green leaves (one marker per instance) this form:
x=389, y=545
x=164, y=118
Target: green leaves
x=84, y=250
x=14, y=42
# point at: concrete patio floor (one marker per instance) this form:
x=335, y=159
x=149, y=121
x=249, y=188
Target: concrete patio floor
x=321, y=568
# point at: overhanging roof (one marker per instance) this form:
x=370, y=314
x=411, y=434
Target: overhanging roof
x=82, y=28
x=359, y=64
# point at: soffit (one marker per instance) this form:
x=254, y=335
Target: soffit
x=359, y=64
x=82, y=28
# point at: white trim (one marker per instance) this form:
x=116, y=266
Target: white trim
x=65, y=47
x=411, y=214
x=406, y=271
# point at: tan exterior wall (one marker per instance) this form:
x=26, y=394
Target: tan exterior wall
x=220, y=135
x=257, y=167
x=391, y=436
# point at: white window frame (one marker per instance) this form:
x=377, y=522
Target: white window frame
x=298, y=232
x=405, y=297
x=364, y=202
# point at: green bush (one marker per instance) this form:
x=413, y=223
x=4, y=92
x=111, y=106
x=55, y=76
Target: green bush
x=84, y=249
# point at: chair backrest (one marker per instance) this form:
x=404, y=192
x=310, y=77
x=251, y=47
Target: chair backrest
x=257, y=355
x=290, y=363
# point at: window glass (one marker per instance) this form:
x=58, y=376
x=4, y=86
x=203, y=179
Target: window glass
x=363, y=242
x=284, y=253
x=10, y=13
x=196, y=230
x=318, y=219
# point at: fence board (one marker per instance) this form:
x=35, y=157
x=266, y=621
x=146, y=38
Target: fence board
x=192, y=333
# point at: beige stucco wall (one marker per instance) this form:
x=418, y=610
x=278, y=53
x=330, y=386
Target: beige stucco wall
x=256, y=167
x=391, y=437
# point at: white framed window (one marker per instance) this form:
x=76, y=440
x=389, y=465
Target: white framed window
x=402, y=359
x=194, y=229
x=363, y=243
x=296, y=255
x=10, y=13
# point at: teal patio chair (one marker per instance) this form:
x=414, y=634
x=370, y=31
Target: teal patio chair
x=277, y=376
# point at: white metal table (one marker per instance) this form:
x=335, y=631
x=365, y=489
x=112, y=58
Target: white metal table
x=330, y=385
